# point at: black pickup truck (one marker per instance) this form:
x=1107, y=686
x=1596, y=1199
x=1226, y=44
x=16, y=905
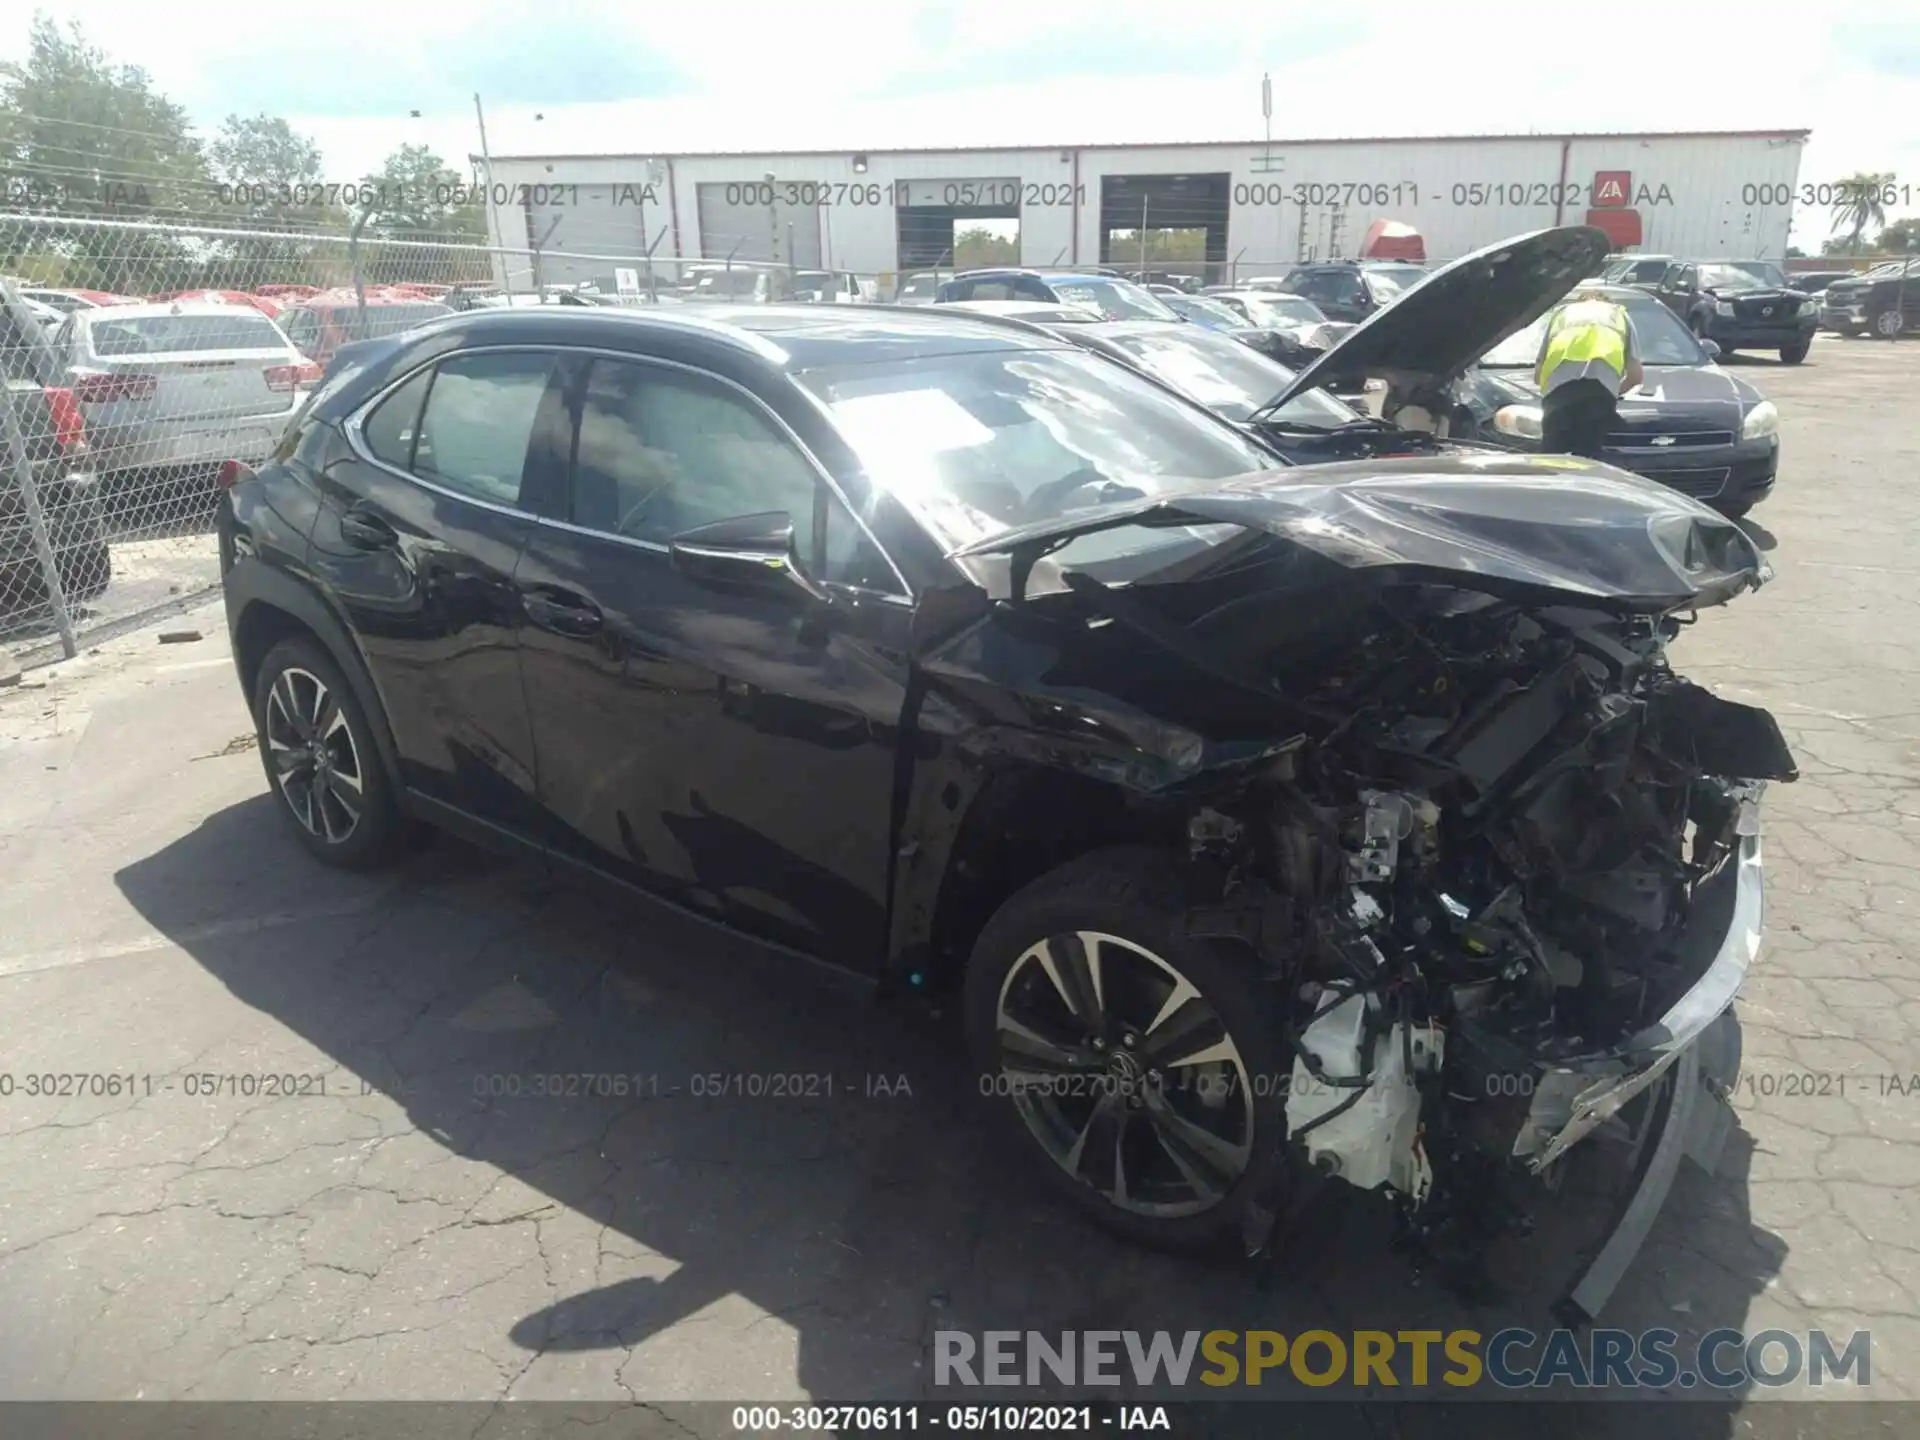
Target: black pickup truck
x=1884, y=302
x=50, y=426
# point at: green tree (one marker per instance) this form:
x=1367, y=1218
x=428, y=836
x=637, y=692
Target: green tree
x=1844, y=245
x=414, y=196
x=977, y=247
x=1902, y=237
x=1860, y=205
x=267, y=177
x=86, y=138
x=264, y=151
x=1187, y=246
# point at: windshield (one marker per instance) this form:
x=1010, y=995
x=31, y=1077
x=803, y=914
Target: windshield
x=168, y=334
x=918, y=286
x=1728, y=277
x=1115, y=299
x=67, y=304
x=977, y=443
x=1765, y=271
x=1229, y=378
x=1282, y=310
x=1392, y=280
x=1202, y=310
x=728, y=282
x=1658, y=336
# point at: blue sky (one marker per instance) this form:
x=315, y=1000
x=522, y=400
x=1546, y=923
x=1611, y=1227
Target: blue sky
x=599, y=76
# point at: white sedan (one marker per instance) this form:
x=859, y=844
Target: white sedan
x=181, y=383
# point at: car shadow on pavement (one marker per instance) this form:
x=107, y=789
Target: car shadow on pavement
x=746, y=1130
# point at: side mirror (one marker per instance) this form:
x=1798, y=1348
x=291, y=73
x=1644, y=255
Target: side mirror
x=1712, y=347
x=746, y=552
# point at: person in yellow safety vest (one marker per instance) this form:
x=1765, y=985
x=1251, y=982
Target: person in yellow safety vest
x=1587, y=361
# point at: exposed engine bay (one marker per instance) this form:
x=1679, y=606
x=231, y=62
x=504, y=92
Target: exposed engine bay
x=1415, y=726
x=1488, y=869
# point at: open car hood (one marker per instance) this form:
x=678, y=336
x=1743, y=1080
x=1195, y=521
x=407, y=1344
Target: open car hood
x=1434, y=332
x=1528, y=526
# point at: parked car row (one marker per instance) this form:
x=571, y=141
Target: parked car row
x=1758, y=305
x=1029, y=663
x=53, y=431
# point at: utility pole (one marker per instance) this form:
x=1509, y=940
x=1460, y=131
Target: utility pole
x=1143, y=239
x=486, y=172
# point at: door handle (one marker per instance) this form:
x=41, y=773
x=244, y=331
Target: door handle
x=365, y=530
x=562, y=612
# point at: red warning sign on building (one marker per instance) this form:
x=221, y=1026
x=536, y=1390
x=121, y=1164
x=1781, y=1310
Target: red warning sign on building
x=1611, y=187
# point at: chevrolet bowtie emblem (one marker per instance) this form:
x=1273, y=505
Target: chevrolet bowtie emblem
x=1662, y=440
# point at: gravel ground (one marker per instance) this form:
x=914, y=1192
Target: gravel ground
x=409, y=1234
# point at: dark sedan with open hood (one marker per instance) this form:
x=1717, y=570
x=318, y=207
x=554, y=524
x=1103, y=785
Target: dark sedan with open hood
x=1452, y=363
x=1690, y=424
x=1278, y=829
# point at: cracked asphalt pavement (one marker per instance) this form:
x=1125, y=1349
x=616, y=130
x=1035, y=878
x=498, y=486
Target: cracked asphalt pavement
x=402, y=1216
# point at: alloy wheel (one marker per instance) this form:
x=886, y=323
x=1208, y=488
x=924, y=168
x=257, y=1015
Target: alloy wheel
x=1125, y=1074
x=1889, y=324
x=313, y=756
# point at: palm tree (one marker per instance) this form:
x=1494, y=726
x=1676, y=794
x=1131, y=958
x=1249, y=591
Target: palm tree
x=1859, y=205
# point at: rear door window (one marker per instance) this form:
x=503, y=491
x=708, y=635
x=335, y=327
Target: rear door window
x=478, y=421
x=390, y=430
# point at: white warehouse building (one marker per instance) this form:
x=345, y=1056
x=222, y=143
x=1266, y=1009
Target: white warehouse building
x=1260, y=206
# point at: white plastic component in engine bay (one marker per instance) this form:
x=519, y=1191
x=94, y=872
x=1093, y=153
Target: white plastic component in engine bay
x=1389, y=820
x=1376, y=1140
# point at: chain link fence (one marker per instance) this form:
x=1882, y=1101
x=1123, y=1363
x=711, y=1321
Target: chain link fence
x=140, y=357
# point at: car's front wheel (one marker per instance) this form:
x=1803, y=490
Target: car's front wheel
x=1794, y=354
x=1139, y=1067
x=1889, y=323
x=320, y=759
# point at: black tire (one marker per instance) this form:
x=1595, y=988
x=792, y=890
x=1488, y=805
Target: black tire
x=378, y=831
x=1794, y=354
x=1135, y=896
x=1887, y=324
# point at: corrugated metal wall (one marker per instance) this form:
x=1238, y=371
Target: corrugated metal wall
x=1700, y=194
x=747, y=220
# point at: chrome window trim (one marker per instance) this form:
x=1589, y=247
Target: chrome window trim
x=355, y=424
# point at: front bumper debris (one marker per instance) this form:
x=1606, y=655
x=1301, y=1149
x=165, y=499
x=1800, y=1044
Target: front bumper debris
x=1573, y=1099
x=1695, y=1047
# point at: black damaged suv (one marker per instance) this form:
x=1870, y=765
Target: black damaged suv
x=1236, y=802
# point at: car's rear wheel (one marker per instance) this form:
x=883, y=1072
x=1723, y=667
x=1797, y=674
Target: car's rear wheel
x=1139, y=1068
x=318, y=752
x=1889, y=323
x=1794, y=354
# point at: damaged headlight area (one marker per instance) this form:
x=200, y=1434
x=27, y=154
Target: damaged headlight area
x=1519, y=878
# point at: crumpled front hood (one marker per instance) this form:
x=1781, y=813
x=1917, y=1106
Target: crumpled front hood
x=1530, y=526
x=1444, y=324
